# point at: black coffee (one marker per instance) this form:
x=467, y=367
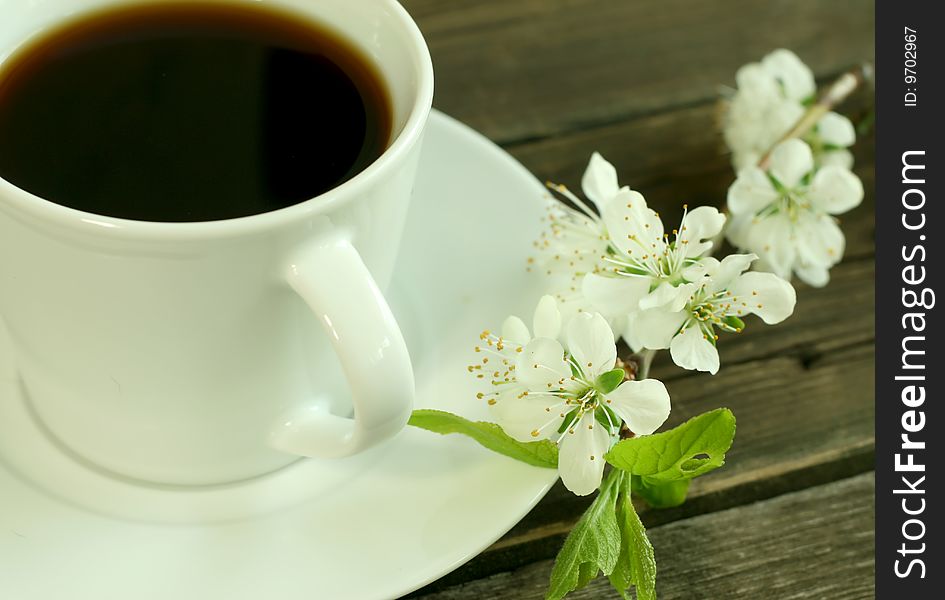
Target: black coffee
x=188, y=112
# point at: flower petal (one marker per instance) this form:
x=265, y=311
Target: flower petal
x=766, y=295
x=700, y=269
x=523, y=416
x=836, y=130
x=812, y=275
x=581, y=455
x=617, y=325
x=772, y=239
x=630, y=334
x=643, y=405
x=835, y=158
x=691, y=350
x=600, y=180
x=820, y=241
x=737, y=230
x=835, y=190
x=541, y=365
x=668, y=296
x=515, y=331
x=655, y=328
x=796, y=78
x=632, y=225
x=791, y=160
x=547, y=319
x=702, y=223
x=591, y=344
x=756, y=83
x=751, y=192
x=729, y=269
x=614, y=295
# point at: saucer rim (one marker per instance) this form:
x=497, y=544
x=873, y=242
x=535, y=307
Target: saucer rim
x=538, y=484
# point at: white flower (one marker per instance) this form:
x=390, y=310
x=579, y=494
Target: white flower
x=543, y=389
x=722, y=297
x=577, y=237
x=644, y=266
x=771, y=98
x=784, y=214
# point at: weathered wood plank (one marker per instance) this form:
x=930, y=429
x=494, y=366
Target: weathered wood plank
x=648, y=158
x=836, y=316
x=677, y=158
x=798, y=425
x=534, y=68
x=554, y=80
x=791, y=417
x=773, y=377
x=817, y=543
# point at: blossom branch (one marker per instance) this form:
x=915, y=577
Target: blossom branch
x=840, y=90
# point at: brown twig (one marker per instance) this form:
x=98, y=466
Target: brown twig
x=839, y=91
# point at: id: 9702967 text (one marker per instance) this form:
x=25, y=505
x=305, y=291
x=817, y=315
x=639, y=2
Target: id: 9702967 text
x=909, y=65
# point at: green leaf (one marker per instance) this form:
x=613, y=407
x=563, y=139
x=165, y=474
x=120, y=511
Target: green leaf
x=568, y=420
x=587, y=573
x=866, y=123
x=637, y=564
x=695, y=447
x=575, y=368
x=778, y=186
x=609, y=381
x=639, y=550
x=542, y=453
x=606, y=417
x=661, y=495
x=734, y=322
x=593, y=545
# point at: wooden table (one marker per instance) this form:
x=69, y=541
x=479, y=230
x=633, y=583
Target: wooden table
x=791, y=513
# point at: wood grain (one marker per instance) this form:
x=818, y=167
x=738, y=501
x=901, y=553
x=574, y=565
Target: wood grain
x=816, y=543
x=524, y=69
x=677, y=158
x=799, y=424
x=553, y=81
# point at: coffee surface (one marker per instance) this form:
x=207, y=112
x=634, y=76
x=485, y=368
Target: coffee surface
x=188, y=112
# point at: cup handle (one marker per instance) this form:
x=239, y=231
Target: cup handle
x=369, y=344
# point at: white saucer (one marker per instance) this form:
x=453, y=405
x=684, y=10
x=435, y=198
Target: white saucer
x=377, y=525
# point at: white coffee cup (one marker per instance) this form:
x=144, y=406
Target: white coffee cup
x=191, y=353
